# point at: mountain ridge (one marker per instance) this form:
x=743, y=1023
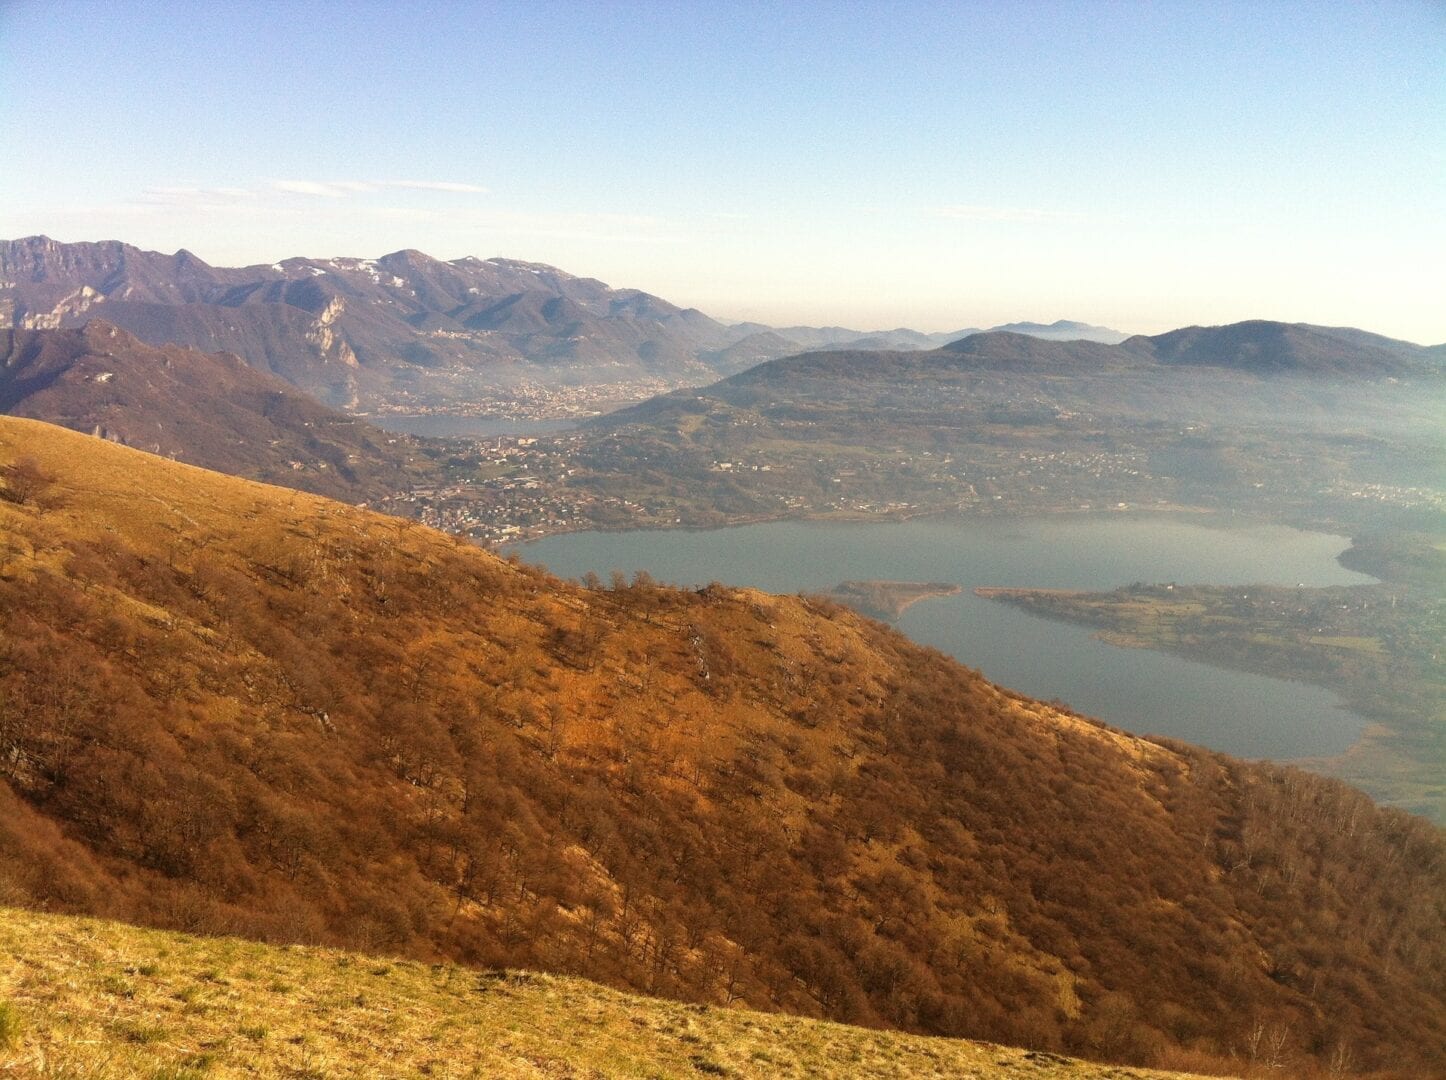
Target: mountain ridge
x=1268, y=346
x=349, y=330
x=405, y=327
x=207, y=409
x=1257, y=347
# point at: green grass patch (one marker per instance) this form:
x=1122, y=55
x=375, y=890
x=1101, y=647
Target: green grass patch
x=12, y=1027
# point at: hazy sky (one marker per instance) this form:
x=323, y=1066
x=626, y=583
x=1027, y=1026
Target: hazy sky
x=1143, y=165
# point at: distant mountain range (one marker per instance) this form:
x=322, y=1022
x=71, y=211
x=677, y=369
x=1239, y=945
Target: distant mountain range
x=1257, y=347
x=351, y=331
x=1064, y=330
x=207, y=409
x=408, y=328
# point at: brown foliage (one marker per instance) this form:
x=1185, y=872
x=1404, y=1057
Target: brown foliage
x=229, y=709
x=26, y=482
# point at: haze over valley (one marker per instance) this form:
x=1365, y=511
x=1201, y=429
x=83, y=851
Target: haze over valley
x=674, y=540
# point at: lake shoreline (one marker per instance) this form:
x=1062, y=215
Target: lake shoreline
x=1145, y=691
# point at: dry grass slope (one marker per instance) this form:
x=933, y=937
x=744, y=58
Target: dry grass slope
x=86, y=998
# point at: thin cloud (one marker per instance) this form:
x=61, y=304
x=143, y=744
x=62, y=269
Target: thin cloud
x=341, y=189
x=437, y=185
x=331, y=189
x=186, y=195
x=1003, y=213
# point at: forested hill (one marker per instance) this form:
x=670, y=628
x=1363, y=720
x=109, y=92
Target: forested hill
x=1270, y=347
x=207, y=409
x=230, y=708
x=1258, y=347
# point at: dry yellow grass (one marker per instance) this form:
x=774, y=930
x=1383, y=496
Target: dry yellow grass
x=94, y=999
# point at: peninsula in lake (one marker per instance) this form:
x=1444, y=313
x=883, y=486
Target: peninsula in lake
x=1377, y=646
x=887, y=600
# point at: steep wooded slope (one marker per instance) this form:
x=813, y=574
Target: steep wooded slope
x=207, y=409
x=233, y=708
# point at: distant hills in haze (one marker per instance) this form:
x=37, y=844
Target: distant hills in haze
x=1064, y=330
x=1297, y=422
x=408, y=328
x=1256, y=347
x=1268, y=347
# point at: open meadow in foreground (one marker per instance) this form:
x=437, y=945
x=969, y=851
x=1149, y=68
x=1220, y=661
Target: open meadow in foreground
x=88, y=998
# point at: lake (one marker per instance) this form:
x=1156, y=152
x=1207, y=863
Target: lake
x=1136, y=689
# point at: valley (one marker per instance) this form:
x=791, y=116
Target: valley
x=1002, y=424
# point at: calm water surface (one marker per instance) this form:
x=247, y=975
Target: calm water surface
x=1143, y=691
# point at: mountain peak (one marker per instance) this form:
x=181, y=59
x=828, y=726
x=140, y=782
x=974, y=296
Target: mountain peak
x=1265, y=346
x=1065, y=330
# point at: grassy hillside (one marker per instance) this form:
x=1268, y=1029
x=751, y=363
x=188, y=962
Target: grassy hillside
x=86, y=998
x=237, y=709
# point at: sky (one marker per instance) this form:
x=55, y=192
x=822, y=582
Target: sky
x=934, y=165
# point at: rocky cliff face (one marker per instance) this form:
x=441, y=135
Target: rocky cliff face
x=405, y=326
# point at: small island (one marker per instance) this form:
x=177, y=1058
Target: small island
x=887, y=600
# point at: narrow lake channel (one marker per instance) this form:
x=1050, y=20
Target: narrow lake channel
x=1143, y=691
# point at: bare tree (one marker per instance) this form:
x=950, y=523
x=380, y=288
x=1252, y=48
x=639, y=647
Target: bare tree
x=27, y=483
